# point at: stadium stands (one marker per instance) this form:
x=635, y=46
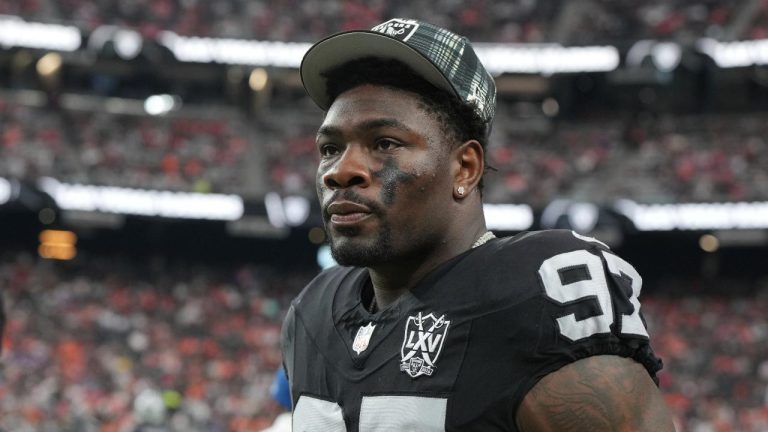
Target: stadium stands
x=759, y=25
x=179, y=153
x=680, y=20
x=669, y=158
x=716, y=360
x=516, y=21
x=82, y=342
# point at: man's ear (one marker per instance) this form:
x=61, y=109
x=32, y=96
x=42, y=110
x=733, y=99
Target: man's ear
x=468, y=164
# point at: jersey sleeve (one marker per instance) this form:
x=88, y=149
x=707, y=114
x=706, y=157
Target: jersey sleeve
x=567, y=297
x=287, y=338
x=587, y=305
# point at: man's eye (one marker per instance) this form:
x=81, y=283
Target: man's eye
x=386, y=144
x=328, y=150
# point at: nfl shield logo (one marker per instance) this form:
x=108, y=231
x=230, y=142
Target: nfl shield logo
x=362, y=338
x=422, y=344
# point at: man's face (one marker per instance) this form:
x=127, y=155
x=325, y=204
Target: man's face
x=384, y=179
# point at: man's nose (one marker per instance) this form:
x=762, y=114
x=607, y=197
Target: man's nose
x=350, y=169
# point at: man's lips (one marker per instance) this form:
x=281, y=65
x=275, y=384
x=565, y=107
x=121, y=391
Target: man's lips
x=347, y=212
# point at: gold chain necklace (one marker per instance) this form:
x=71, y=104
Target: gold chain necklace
x=483, y=239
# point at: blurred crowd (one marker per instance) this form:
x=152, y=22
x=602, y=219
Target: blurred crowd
x=681, y=20
x=82, y=342
x=481, y=20
x=90, y=347
x=166, y=153
x=715, y=352
x=759, y=26
x=291, y=20
x=656, y=159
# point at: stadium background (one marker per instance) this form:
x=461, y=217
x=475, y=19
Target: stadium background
x=156, y=190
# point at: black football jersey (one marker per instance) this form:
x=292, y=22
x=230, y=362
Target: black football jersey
x=460, y=350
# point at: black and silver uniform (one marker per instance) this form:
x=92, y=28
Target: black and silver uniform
x=460, y=350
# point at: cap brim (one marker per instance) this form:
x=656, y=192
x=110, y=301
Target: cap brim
x=341, y=48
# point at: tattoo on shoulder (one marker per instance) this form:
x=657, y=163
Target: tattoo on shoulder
x=599, y=393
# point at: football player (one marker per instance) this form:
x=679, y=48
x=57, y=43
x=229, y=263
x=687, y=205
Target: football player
x=431, y=323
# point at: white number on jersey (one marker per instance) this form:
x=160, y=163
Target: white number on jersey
x=377, y=414
x=595, y=287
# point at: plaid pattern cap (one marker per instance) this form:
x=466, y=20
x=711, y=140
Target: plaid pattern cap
x=443, y=58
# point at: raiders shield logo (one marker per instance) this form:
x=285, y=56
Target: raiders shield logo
x=397, y=28
x=424, y=338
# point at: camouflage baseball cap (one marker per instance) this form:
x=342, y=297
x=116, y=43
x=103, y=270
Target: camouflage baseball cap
x=443, y=58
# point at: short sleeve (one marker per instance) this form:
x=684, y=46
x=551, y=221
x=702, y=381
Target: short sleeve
x=568, y=297
x=287, y=338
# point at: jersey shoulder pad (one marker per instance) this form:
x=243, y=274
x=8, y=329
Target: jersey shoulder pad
x=505, y=272
x=500, y=274
x=314, y=306
x=323, y=286
x=558, y=240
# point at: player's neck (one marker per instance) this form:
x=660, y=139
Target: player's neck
x=392, y=280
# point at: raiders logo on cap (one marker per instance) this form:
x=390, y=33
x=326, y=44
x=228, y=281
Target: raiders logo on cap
x=398, y=28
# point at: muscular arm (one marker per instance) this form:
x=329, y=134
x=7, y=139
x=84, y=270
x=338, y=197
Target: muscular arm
x=601, y=393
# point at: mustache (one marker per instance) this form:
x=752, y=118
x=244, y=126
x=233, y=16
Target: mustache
x=351, y=196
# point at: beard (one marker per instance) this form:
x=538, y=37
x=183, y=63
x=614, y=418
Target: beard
x=348, y=247
x=350, y=250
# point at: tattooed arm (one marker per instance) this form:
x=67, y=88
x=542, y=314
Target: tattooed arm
x=602, y=393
